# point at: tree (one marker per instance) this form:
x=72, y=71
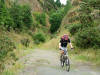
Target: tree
x=58, y=3
x=27, y=16
x=5, y=18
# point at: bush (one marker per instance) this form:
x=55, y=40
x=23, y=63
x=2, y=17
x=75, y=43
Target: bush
x=56, y=17
x=27, y=16
x=73, y=19
x=88, y=37
x=74, y=28
x=5, y=18
x=6, y=47
x=67, y=7
x=41, y=18
x=25, y=42
x=16, y=16
x=39, y=37
x=22, y=18
x=55, y=21
x=75, y=3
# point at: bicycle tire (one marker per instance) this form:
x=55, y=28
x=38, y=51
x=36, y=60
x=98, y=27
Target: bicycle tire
x=67, y=63
x=62, y=61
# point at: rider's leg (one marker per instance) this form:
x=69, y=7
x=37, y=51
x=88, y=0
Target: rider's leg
x=61, y=54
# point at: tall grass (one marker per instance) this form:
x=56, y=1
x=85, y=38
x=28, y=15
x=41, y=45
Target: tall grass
x=88, y=55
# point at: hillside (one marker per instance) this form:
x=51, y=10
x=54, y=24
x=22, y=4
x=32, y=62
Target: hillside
x=82, y=25
x=35, y=5
x=29, y=24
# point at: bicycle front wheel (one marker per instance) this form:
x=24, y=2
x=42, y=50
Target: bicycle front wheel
x=67, y=62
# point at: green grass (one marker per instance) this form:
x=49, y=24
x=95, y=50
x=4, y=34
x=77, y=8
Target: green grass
x=13, y=70
x=86, y=55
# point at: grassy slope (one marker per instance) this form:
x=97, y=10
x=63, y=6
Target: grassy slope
x=35, y=5
x=86, y=55
x=17, y=37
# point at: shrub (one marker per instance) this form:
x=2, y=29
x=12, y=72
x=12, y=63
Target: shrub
x=88, y=37
x=41, y=18
x=55, y=21
x=5, y=18
x=39, y=37
x=27, y=16
x=73, y=19
x=67, y=7
x=22, y=18
x=17, y=16
x=86, y=20
x=74, y=28
x=6, y=47
x=25, y=42
x=56, y=17
x=75, y=3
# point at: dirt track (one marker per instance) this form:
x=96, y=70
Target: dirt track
x=46, y=62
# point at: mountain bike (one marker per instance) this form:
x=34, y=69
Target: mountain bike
x=65, y=62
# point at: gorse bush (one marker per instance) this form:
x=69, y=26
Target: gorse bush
x=25, y=42
x=67, y=7
x=74, y=28
x=40, y=18
x=85, y=33
x=16, y=17
x=22, y=18
x=86, y=19
x=58, y=3
x=39, y=37
x=6, y=47
x=87, y=38
x=55, y=21
x=75, y=18
x=75, y=3
x=27, y=16
x=5, y=18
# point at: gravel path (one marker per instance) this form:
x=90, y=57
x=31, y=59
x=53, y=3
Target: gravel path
x=46, y=62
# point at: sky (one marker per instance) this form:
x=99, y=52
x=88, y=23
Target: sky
x=62, y=1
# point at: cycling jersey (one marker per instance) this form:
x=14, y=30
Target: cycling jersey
x=64, y=42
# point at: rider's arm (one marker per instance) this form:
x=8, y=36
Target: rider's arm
x=59, y=45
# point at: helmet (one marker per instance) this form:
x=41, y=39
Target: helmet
x=65, y=37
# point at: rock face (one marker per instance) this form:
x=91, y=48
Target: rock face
x=35, y=5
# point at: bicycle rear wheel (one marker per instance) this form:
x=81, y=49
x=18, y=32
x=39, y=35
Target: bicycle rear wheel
x=67, y=63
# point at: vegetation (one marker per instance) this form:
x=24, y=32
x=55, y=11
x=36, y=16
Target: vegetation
x=7, y=47
x=25, y=42
x=56, y=17
x=55, y=21
x=81, y=18
x=23, y=18
x=90, y=36
x=85, y=29
x=5, y=18
x=74, y=28
x=40, y=18
x=39, y=37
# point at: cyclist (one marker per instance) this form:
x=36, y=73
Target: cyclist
x=63, y=44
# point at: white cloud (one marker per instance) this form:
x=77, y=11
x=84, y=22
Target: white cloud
x=62, y=1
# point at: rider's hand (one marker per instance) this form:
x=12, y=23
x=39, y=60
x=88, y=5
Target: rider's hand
x=59, y=48
x=72, y=48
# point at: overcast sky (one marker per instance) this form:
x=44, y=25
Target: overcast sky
x=62, y=1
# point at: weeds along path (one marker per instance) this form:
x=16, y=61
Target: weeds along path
x=46, y=62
